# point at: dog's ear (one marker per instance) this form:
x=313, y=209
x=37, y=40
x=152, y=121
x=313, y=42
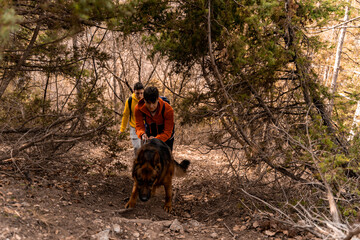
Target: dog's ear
x=156, y=158
x=135, y=164
x=140, y=156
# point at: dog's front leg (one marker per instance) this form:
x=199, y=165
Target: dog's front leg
x=153, y=190
x=154, y=187
x=133, y=197
x=168, y=197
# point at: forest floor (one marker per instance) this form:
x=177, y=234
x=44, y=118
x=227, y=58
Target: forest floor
x=82, y=196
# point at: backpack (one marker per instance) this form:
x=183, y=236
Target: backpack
x=129, y=101
x=165, y=99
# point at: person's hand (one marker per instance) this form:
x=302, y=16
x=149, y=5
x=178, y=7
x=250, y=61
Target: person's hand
x=144, y=137
x=151, y=137
x=122, y=135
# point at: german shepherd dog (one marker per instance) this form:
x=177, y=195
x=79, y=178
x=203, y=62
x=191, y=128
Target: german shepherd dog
x=154, y=166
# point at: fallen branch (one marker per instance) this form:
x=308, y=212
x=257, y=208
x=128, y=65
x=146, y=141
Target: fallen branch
x=353, y=232
x=54, y=138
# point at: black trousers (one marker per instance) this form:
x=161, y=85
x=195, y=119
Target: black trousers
x=154, y=129
x=170, y=143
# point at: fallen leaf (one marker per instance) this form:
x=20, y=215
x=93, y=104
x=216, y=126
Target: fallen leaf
x=11, y=211
x=236, y=228
x=270, y=233
x=188, y=197
x=239, y=228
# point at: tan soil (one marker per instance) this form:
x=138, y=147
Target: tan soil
x=82, y=196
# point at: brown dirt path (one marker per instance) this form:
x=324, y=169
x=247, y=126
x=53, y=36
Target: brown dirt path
x=82, y=196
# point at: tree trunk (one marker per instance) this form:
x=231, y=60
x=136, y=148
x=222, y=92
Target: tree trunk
x=356, y=121
x=76, y=59
x=326, y=75
x=5, y=81
x=114, y=77
x=333, y=87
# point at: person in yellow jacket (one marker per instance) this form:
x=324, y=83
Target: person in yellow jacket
x=129, y=115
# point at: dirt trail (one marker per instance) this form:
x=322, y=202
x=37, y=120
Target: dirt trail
x=82, y=196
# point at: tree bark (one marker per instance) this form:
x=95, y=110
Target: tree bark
x=333, y=87
x=326, y=75
x=356, y=121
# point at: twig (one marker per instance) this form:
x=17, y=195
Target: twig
x=81, y=235
x=125, y=210
x=230, y=231
x=337, y=26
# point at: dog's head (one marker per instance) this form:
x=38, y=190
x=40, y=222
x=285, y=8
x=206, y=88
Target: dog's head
x=146, y=171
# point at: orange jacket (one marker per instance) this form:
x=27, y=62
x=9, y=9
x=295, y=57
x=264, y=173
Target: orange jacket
x=142, y=113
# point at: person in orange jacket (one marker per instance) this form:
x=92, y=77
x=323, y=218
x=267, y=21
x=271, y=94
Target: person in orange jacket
x=154, y=118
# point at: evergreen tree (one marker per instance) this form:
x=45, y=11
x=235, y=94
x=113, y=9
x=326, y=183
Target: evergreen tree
x=38, y=59
x=254, y=58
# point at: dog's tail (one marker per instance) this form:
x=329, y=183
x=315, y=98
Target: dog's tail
x=180, y=168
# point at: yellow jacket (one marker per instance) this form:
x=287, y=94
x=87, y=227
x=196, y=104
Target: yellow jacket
x=126, y=113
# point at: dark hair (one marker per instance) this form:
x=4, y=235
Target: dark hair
x=138, y=86
x=151, y=94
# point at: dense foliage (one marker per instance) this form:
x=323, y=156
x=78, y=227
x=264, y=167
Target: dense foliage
x=51, y=92
x=263, y=102
x=256, y=69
